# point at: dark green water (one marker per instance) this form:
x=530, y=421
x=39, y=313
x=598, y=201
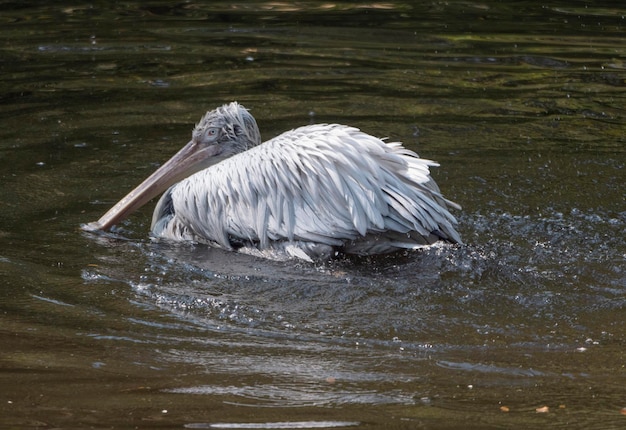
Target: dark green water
x=522, y=103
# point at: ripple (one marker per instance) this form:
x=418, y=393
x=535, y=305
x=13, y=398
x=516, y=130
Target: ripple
x=276, y=425
x=49, y=300
x=489, y=368
x=270, y=395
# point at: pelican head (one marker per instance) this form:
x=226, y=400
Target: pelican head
x=221, y=133
x=227, y=130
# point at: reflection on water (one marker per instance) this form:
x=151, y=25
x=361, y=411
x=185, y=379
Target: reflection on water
x=521, y=104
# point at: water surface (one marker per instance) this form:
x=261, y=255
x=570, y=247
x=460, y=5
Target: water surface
x=521, y=103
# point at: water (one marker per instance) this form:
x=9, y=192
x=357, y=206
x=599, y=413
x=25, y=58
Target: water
x=523, y=106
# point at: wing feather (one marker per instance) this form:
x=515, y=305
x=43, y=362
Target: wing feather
x=327, y=184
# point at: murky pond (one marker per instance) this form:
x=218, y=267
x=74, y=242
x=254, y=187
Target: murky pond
x=523, y=326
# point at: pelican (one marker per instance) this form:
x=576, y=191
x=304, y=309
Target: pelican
x=309, y=193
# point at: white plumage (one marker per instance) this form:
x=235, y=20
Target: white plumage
x=307, y=193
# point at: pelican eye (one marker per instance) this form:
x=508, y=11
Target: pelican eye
x=212, y=133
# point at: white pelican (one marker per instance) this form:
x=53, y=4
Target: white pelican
x=309, y=193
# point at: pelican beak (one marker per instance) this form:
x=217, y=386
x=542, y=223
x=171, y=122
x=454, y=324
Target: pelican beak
x=192, y=158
